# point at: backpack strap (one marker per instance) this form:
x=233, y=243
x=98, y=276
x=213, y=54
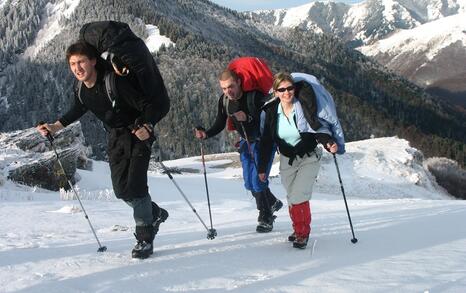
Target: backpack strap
x=225, y=103
x=251, y=106
x=110, y=88
x=77, y=90
x=250, y=102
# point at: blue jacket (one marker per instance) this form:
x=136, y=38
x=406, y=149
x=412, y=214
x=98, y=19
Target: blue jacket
x=326, y=111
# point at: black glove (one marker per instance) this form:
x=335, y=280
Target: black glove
x=118, y=64
x=329, y=142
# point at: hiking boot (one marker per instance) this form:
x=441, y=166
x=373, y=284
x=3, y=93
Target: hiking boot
x=265, y=226
x=142, y=250
x=292, y=237
x=276, y=206
x=144, y=236
x=265, y=220
x=300, y=242
x=161, y=217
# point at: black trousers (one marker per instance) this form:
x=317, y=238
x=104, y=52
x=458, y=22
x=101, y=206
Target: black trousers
x=129, y=161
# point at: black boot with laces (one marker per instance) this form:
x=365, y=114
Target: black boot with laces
x=275, y=203
x=160, y=215
x=265, y=220
x=144, y=236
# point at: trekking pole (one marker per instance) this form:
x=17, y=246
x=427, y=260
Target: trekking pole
x=251, y=152
x=354, y=240
x=212, y=232
x=50, y=138
x=138, y=124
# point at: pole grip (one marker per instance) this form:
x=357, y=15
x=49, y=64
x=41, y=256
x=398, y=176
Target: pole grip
x=49, y=135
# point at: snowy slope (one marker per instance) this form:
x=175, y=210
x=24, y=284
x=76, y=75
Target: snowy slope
x=429, y=38
x=405, y=244
x=51, y=27
x=416, y=52
x=155, y=40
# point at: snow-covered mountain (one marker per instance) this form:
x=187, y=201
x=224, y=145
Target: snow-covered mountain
x=428, y=54
x=422, y=40
x=35, y=82
x=364, y=22
x=55, y=13
x=410, y=233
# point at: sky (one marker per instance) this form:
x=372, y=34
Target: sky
x=247, y=5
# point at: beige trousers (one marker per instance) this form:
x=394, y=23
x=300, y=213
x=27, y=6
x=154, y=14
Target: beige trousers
x=299, y=178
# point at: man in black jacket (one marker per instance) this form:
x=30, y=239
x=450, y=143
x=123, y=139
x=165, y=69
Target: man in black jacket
x=244, y=110
x=128, y=141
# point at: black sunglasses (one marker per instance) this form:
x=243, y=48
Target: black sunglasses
x=283, y=89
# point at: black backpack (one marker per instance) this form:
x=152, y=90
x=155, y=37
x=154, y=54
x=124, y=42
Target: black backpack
x=307, y=97
x=117, y=39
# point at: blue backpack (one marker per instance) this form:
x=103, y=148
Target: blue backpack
x=323, y=117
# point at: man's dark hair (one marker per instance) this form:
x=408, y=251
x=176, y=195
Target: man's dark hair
x=81, y=48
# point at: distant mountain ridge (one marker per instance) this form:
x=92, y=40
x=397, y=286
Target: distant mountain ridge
x=389, y=31
x=433, y=55
x=364, y=22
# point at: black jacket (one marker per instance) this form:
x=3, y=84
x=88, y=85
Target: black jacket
x=252, y=126
x=270, y=135
x=130, y=104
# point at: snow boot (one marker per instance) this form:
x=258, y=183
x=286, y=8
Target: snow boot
x=275, y=203
x=292, y=237
x=265, y=220
x=144, y=236
x=276, y=206
x=301, y=218
x=300, y=242
x=160, y=215
x=266, y=217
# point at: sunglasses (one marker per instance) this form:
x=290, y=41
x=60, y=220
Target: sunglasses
x=283, y=89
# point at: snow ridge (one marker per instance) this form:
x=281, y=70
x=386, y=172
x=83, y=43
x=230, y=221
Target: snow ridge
x=155, y=40
x=367, y=21
x=429, y=38
x=51, y=24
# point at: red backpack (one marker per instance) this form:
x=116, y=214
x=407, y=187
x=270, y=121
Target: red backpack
x=255, y=75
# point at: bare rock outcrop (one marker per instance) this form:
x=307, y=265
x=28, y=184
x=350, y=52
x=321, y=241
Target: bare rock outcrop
x=29, y=158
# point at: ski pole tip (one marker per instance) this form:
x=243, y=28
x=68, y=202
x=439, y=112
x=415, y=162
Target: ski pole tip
x=102, y=249
x=211, y=234
x=354, y=240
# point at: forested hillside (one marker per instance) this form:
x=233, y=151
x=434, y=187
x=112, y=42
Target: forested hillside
x=206, y=37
